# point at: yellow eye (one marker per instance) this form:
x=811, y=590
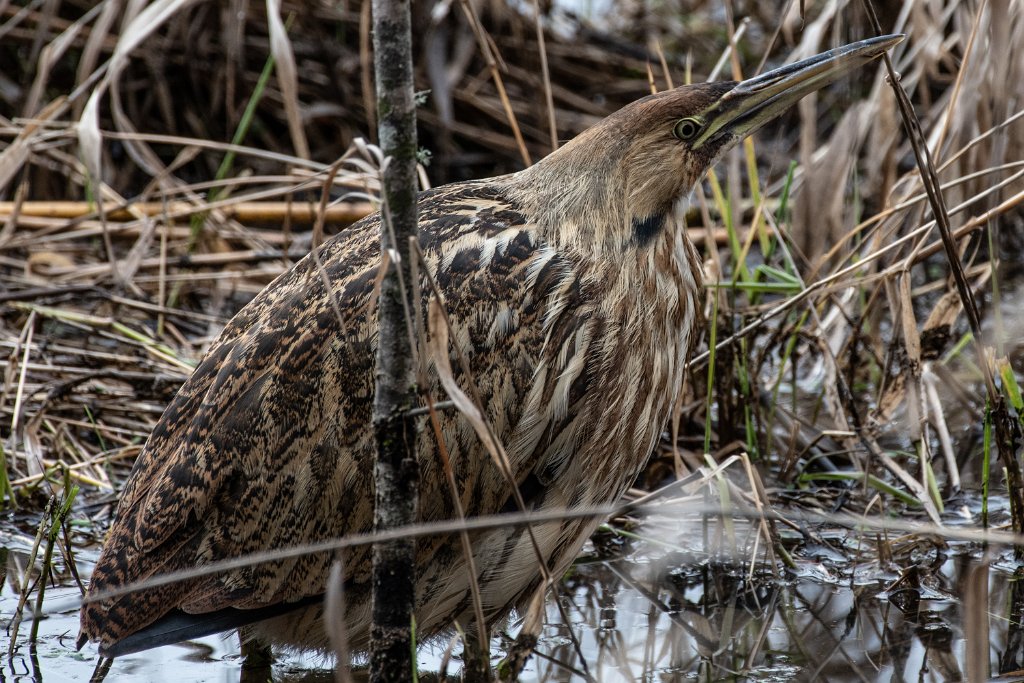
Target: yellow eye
x=687, y=129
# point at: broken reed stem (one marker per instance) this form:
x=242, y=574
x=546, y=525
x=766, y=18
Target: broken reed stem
x=25, y=588
x=252, y=212
x=432, y=408
x=55, y=518
x=50, y=525
x=1005, y=437
x=487, y=51
x=546, y=77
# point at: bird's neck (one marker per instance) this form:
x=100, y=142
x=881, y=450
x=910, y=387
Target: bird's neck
x=581, y=197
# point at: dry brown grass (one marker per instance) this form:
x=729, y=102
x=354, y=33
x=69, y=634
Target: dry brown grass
x=841, y=368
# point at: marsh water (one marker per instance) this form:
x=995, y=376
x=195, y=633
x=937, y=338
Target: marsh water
x=661, y=602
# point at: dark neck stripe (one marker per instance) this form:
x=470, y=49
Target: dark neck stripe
x=646, y=229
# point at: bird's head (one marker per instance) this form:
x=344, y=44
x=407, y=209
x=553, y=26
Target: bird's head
x=615, y=186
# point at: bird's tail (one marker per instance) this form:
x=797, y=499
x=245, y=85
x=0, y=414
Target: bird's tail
x=177, y=626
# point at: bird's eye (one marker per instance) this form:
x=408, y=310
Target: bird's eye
x=686, y=129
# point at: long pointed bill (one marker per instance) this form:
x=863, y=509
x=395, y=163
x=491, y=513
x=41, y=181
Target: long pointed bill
x=754, y=102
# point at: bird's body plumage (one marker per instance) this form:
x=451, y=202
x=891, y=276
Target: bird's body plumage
x=269, y=443
x=572, y=291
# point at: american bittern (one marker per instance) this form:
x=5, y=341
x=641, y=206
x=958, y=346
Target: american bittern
x=574, y=293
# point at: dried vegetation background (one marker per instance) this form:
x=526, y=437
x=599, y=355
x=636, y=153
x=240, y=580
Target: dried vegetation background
x=160, y=162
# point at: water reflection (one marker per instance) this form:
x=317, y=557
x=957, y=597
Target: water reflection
x=643, y=611
x=674, y=618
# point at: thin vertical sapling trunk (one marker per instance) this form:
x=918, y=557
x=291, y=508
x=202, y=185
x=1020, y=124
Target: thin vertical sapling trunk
x=396, y=471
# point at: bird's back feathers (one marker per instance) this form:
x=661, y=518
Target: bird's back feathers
x=269, y=444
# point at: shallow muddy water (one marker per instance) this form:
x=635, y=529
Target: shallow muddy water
x=657, y=608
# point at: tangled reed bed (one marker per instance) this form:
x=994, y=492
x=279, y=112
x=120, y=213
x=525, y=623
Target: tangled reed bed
x=846, y=360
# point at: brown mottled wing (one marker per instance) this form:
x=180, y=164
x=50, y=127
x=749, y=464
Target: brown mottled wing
x=269, y=443
x=246, y=451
